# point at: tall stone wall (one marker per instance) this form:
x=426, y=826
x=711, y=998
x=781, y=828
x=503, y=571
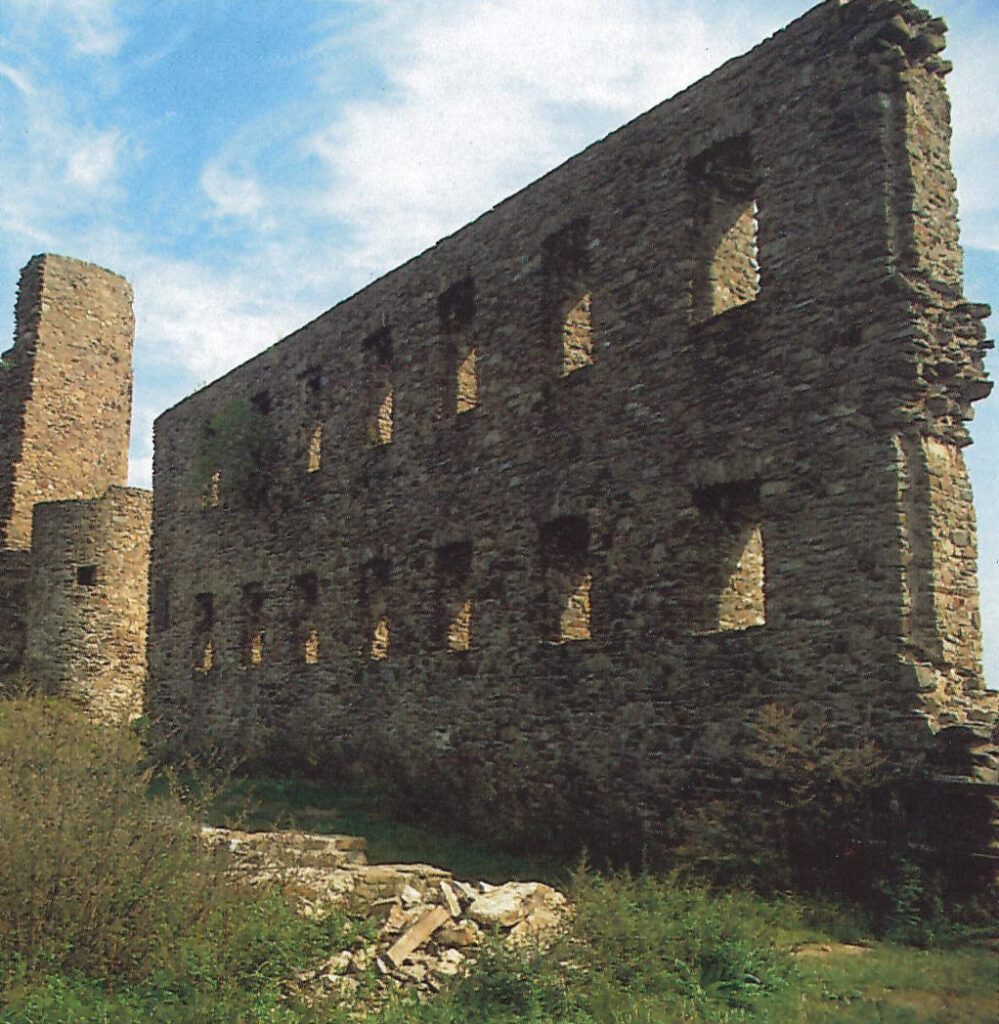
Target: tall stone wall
x=87, y=600
x=66, y=390
x=74, y=542
x=540, y=522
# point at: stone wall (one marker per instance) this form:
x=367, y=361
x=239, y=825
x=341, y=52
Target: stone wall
x=540, y=522
x=87, y=600
x=14, y=568
x=74, y=542
x=66, y=396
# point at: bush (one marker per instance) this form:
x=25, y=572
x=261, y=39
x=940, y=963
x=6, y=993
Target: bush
x=102, y=884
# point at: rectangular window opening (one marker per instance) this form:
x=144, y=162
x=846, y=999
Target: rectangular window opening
x=314, y=459
x=313, y=380
x=374, y=602
x=568, y=312
x=733, y=574
x=261, y=402
x=727, y=269
x=456, y=313
x=204, y=649
x=567, y=581
x=252, y=646
x=86, y=575
x=454, y=601
x=212, y=493
x=379, y=365
x=310, y=651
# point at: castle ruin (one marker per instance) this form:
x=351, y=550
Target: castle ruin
x=536, y=524
x=74, y=539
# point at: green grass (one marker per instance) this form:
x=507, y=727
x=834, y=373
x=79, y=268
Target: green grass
x=263, y=802
x=112, y=911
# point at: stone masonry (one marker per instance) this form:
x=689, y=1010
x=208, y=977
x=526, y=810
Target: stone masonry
x=537, y=524
x=73, y=538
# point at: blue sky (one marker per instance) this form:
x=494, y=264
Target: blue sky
x=248, y=163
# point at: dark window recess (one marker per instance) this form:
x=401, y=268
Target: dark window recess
x=375, y=576
x=204, y=606
x=261, y=402
x=308, y=587
x=252, y=647
x=460, y=380
x=454, y=600
x=204, y=622
x=86, y=575
x=732, y=569
x=568, y=307
x=567, y=580
x=726, y=250
x=379, y=387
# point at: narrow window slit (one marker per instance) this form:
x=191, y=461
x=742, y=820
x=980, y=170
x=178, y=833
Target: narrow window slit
x=315, y=456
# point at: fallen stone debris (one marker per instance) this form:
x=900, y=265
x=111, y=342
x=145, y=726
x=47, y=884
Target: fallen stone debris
x=429, y=924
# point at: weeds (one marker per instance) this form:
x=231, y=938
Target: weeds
x=106, y=894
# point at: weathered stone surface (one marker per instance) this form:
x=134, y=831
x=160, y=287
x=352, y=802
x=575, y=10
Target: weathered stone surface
x=706, y=458
x=430, y=920
x=74, y=541
x=417, y=946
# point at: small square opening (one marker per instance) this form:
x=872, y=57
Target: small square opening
x=86, y=575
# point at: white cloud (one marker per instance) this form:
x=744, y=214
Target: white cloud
x=231, y=195
x=205, y=321
x=93, y=156
x=91, y=26
x=482, y=97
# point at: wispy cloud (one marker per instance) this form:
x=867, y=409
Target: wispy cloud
x=231, y=195
x=91, y=27
x=481, y=97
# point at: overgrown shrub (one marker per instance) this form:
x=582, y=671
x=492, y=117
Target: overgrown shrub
x=105, y=889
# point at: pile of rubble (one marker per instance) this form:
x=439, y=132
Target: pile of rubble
x=428, y=923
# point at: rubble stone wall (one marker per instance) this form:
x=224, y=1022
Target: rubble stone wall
x=14, y=568
x=74, y=542
x=66, y=402
x=670, y=435
x=87, y=600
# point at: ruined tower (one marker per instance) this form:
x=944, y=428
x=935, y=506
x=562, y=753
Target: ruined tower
x=73, y=537
x=66, y=395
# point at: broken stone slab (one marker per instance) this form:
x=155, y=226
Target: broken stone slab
x=412, y=939
x=508, y=904
x=458, y=934
x=451, y=900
